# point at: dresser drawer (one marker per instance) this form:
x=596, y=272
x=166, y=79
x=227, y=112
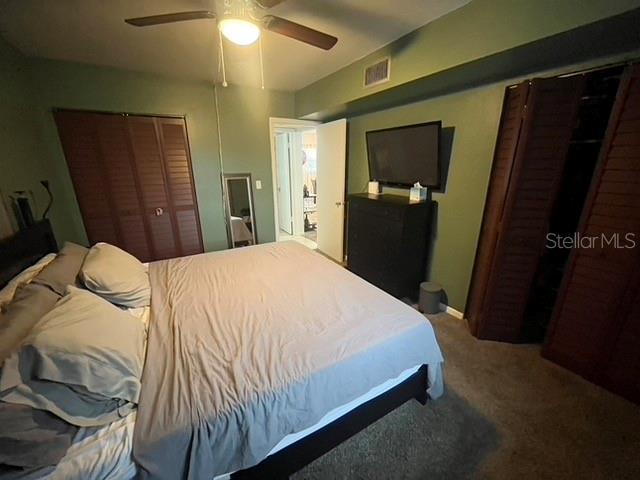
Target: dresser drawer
x=369, y=207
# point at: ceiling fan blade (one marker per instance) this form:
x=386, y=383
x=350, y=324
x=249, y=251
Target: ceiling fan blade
x=170, y=18
x=299, y=32
x=268, y=3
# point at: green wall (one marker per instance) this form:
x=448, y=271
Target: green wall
x=474, y=115
x=244, y=114
x=477, y=30
x=22, y=163
x=244, y=133
x=31, y=88
x=472, y=118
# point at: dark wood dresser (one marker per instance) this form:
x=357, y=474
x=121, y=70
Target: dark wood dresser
x=387, y=241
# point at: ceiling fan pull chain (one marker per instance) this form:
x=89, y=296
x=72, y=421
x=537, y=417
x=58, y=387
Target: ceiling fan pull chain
x=224, y=71
x=261, y=63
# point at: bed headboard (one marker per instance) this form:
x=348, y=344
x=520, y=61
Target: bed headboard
x=24, y=248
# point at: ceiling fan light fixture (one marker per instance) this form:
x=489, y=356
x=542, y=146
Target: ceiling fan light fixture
x=239, y=31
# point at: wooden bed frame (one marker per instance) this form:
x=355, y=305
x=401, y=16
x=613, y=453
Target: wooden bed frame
x=28, y=245
x=299, y=454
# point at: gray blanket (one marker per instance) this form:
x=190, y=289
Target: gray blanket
x=30, y=439
x=250, y=345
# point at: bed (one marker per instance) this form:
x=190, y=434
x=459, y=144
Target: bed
x=293, y=362
x=240, y=232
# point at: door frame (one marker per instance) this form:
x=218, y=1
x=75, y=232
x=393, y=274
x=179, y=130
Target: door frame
x=275, y=124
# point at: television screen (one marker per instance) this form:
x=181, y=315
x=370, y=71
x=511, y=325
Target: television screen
x=405, y=155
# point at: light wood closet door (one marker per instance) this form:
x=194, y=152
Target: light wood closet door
x=133, y=181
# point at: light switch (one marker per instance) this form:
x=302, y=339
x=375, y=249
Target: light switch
x=258, y=184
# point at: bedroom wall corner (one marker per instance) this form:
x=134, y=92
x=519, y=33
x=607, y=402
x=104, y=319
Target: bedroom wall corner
x=22, y=160
x=70, y=85
x=472, y=117
x=242, y=109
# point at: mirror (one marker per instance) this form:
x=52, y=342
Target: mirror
x=241, y=224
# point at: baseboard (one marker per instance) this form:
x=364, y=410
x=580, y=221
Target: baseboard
x=451, y=311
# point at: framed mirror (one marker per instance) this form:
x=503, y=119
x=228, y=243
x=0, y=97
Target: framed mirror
x=241, y=223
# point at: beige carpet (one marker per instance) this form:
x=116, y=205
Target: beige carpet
x=507, y=414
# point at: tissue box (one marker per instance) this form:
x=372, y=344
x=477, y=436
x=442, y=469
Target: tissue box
x=417, y=194
x=374, y=188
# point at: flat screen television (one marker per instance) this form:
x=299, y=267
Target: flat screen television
x=402, y=156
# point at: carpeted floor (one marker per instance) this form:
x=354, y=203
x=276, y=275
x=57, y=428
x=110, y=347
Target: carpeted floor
x=507, y=414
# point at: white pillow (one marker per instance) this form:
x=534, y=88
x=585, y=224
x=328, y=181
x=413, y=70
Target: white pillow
x=23, y=278
x=116, y=276
x=82, y=361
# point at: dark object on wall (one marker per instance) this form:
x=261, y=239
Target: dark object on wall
x=447, y=135
x=22, y=209
x=45, y=184
x=133, y=179
x=387, y=241
x=24, y=248
x=405, y=155
x=292, y=458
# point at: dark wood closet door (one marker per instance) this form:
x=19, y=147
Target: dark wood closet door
x=122, y=185
x=177, y=161
x=509, y=131
x=133, y=181
x=81, y=144
x=537, y=166
x=621, y=373
x=595, y=328
x=153, y=186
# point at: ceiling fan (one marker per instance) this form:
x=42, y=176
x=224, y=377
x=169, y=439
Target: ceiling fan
x=242, y=21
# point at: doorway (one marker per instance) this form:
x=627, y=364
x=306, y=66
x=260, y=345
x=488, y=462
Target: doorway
x=308, y=162
x=294, y=157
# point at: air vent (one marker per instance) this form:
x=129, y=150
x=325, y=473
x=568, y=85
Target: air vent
x=377, y=73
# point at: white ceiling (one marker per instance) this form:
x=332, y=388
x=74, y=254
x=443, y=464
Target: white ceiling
x=93, y=31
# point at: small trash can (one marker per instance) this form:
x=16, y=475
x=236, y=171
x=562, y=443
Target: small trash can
x=430, y=295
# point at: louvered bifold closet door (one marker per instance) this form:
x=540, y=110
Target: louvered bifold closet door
x=163, y=163
x=100, y=160
x=79, y=137
x=123, y=185
x=508, y=134
x=595, y=327
x=538, y=165
x=149, y=165
x=178, y=169
x=133, y=181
